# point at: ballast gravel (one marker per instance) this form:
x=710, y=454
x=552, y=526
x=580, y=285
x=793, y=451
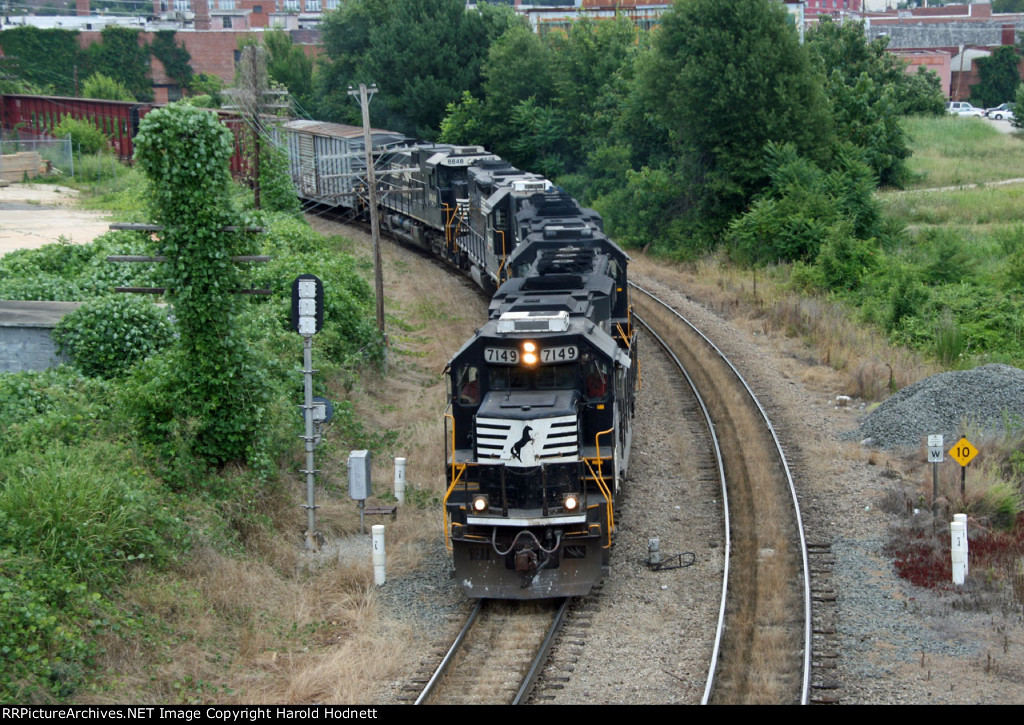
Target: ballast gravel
x=986, y=399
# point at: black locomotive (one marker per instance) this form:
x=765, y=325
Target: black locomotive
x=541, y=398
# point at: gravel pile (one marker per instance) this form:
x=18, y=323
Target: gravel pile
x=986, y=397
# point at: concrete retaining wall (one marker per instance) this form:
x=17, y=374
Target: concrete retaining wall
x=25, y=341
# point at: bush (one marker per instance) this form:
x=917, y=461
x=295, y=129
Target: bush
x=104, y=338
x=58, y=405
x=100, y=86
x=843, y=259
x=85, y=136
x=70, y=520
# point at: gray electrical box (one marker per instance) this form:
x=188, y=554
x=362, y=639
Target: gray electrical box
x=359, y=486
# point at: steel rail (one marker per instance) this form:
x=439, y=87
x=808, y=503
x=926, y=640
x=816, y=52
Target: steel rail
x=713, y=666
x=443, y=667
x=542, y=654
x=804, y=696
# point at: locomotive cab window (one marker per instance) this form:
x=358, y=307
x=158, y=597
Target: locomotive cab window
x=467, y=383
x=595, y=379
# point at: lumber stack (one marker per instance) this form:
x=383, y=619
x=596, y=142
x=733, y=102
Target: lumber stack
x=14, y=167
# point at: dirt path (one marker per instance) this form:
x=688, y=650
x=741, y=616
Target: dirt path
x=32, y=215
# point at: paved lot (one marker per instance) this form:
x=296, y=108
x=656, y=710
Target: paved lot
x=32, y=215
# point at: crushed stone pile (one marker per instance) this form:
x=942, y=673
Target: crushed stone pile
x=989, y=398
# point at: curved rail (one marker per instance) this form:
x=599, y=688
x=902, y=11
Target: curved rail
x=713, y=666
x=804, y=695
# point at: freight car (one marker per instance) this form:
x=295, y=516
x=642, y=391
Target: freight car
x=541, y=398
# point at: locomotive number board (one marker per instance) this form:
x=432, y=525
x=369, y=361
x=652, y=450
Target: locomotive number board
x=566, y=353
x=501, y=355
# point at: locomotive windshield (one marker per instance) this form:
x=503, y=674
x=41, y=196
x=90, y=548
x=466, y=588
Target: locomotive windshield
x=592, y=373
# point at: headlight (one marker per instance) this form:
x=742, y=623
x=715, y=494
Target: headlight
x=479, y=504
x=530, y=353
x=571, y=502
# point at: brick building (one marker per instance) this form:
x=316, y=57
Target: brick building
x=963, y=33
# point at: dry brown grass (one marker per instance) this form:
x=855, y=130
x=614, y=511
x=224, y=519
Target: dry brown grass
x=261, y=620
x=871, y=368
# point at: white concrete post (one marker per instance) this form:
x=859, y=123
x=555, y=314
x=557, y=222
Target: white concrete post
x=379, y=559
x=958, y=550
x=967, y=543
x=400, y=480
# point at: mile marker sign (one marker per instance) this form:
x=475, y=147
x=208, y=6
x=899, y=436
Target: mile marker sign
x=963, y=452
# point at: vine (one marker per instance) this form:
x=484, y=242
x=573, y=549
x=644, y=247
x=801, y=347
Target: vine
x=42, y=57
x=121, y=56
x=175, y=58
x=208, y=393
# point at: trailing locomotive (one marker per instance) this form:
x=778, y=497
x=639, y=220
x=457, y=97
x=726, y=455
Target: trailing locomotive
x=539, y=420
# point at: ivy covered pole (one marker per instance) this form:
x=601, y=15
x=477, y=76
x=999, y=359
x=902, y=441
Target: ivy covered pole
x=215, y=391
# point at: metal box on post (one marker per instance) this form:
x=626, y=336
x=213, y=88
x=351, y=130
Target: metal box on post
x=359, y=487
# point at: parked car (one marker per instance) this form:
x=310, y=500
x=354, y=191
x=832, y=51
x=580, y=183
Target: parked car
x=963, y=108
x=1000, y=112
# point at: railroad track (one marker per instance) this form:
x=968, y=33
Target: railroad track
x=498, y=654
x=762, y=650
x=765, y=655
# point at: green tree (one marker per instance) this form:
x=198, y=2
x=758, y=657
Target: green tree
x=289, y=65
x=422, y=54
x=100, y=86
x=921, y=94
x=425, y=55
x=724, y=79
x=806, y=206
x=205, y=84
x=866, y=116
x=590, y=61
x=121, y=56
x=519, y=68
x=998, y=77
x=85, y=136
x=207, y=393
x=844, y=49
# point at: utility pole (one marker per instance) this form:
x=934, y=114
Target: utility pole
x=252, y=98
x=365, y=95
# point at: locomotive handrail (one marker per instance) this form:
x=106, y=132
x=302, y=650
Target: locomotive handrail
x=504, y=258
x=628, y=339
x=599, y=478
x=461, y=467
x=608, y=499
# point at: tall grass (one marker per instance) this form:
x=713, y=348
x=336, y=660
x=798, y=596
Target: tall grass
x=988, y=205
x=954, y=151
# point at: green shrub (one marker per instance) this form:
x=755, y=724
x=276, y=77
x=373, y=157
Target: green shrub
x=100, y=86
x=71, y=519
x=44, y=641
x=58, y=405
x=843, y=259
x=85, y=136
x=107, y=336
x=96, y=167
x=65, y=271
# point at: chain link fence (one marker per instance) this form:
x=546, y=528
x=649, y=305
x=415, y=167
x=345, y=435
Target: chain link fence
x=22, y=157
